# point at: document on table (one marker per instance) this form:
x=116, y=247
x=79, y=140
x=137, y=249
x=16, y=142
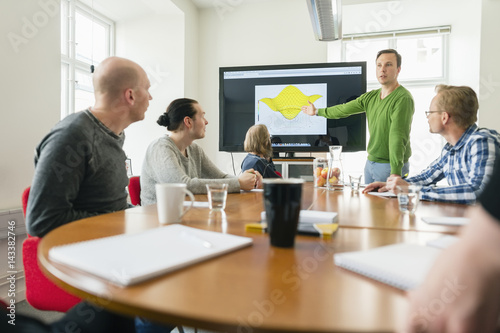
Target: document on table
x=445, y=220
x=403, y=266
x=128, y=259
x=387, y=194
x=311, y=216
x=199, y=204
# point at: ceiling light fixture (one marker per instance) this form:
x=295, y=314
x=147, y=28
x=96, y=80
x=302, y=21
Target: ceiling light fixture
x=326, y=18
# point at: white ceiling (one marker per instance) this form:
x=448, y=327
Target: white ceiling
x=210, y=3
x=119, y=10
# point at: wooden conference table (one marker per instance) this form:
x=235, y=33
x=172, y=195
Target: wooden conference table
x=261, y=288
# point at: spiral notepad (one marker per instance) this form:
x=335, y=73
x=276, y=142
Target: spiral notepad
x=129, y=259
x=403, y=266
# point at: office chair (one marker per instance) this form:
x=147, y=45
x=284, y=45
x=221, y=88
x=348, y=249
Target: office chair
x=41, y=293
x=134, y=190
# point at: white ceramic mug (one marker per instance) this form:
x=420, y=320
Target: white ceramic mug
x=170, y=202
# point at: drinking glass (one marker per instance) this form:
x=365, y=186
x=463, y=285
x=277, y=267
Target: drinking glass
x=217, y=195
x=408, y=198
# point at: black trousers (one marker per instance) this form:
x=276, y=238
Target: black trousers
x=82, y=318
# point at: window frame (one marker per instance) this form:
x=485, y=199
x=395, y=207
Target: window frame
x=69, y=63
x=392, y=37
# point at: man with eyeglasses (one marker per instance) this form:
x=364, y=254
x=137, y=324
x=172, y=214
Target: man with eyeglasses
x=466, y=160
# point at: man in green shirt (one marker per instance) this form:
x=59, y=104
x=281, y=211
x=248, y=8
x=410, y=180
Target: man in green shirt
x=389, y=112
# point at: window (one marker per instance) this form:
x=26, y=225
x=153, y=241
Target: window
x=424, y=58
x=424, y=53
x=87, y=38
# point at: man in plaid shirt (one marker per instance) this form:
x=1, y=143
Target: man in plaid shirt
x=467, y=159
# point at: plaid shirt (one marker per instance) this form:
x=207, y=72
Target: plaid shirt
x=467, y=166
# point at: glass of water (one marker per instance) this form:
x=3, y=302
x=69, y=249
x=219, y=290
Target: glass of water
x=408, y=198
x=355, y=181
x=217, y=195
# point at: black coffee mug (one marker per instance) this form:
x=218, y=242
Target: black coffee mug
x=282, y=199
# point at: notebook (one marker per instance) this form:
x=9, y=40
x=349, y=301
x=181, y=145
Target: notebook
x=129, y=259
x=443, y=242
x=403, y=266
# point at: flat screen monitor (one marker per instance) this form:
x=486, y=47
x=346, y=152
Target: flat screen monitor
x=273, y=95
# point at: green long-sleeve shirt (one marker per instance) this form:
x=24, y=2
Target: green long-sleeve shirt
x=389, y=124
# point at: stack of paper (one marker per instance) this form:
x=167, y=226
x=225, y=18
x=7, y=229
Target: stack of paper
x=129, y=259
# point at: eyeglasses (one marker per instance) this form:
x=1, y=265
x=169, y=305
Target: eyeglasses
x=427, y=113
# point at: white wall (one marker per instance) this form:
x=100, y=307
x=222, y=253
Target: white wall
x=166, y=45
x=156, y=42
x=30, y=89
x=489, y=75
x=191, y=47
x=274, y=32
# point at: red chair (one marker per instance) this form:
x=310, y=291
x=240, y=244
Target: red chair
x=134, y=190
x=24, y=199
x=41, y=293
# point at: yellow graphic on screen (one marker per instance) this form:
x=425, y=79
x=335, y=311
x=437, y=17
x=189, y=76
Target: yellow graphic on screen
x=289, y=101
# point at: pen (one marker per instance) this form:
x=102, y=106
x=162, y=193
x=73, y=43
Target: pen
x=196, y=239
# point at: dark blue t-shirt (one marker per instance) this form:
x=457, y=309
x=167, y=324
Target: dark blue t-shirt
x=264, y=167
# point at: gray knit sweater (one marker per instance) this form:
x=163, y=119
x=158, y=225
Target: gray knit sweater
x=80, y=172
x=164, y=163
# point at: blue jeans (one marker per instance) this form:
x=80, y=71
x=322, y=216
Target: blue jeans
x=145, y=326
x=378, y=172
